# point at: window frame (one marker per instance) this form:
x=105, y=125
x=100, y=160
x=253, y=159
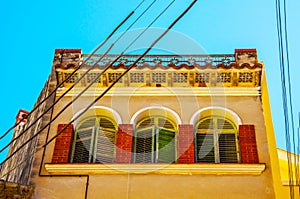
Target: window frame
x=96, y=130
x=155, y=138
x=216, y=132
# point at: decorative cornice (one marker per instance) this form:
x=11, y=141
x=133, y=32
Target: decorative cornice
x=165, y=92
x=63, y=50
x=158, y=169
x=165, y=67
x=245, y=50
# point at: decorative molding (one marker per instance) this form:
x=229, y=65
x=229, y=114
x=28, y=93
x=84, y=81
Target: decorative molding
x=158, y=169
x=163, y=91
x=224, y=111
x=204, y=61
x=288, y=183
x=66, y=50
x=162, y=61
x=167, y=66
x=113, y=112
x=158, y=107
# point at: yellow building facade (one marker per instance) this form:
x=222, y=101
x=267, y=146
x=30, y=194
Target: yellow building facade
x=174, y=126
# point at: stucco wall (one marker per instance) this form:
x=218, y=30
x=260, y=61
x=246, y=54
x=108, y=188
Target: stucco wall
x=249, y=109
x=18, y=167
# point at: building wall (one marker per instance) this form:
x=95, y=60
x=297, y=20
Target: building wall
x=281, y=189
x=17, y=169
x=164, y=186
x=246, y=104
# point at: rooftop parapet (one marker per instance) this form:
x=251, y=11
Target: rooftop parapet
x=242, y=58
x=240, y=69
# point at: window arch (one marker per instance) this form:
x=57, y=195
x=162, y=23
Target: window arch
x=94, y=140
x=216, y=140
x=154, y=140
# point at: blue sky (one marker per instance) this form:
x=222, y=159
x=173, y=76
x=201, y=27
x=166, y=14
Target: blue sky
x=31, y=30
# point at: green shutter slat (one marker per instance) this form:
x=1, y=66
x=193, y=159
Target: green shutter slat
x=81, y=153
x=206, y=124
x=224, y=124
x=221, y=133
x=165, y=123
x=166, y=141
x=105, y=146
x=143, y=148
x=205, y=148
x=105, y=123
x=227, y=148
x=146, y=123
x=88, y=123
x=155, y=148
x=83, y=145
x=96, y=145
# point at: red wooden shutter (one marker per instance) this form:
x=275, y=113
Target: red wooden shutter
x=124, y=143
x=186, y=148
x=248, y=146
x=63, y=144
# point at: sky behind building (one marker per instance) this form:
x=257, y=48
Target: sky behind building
x=31, y=31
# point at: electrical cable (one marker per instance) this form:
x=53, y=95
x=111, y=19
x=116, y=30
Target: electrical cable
x=43, y=93
x=100, y=96
x=54, y=103
x=44, y=150
x=135, y=21
x=290, y=92
x=289, y=105
x=85, y=61
x=284, y=94
x=285, y=106
x=86, y=88
x=78, y=80
x=77, y=97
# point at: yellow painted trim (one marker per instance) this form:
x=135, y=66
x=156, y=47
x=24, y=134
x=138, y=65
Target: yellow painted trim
x=280, y=190
x=163, y=91
x=287, y=183
x=284, y=167
x=160, y=169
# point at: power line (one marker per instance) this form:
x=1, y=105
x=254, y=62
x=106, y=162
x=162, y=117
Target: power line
x=135, y=21
x=100, y=96
x=85, y=61
x=290, y=92
x=284, y=89
x=77, y=97
x=81, y=77
x=54, y=103
x=85, y=89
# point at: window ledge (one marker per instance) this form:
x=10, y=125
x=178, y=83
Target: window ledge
x=160, y=169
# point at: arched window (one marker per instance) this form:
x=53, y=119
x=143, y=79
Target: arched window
x=216, y=140
x=94, y=141
x=154, y=141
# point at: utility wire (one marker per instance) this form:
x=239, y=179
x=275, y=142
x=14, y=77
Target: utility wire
x=284, y=94
x=99, y=97
x=78, y=80
x=85, y=89
x=54, y=103
x=289, y=104
x=168, y=6
x=135, y=21
x=85, y=61
x=290, y=92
